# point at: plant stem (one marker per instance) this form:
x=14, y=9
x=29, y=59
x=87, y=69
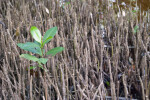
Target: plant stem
x=45, y=84
x=44, y=75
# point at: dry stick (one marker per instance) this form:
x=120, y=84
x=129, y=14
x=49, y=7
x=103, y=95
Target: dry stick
x=144, y=63
x=54, y=70
x=67, y=82
x=43, y=98
x=113, y=93
x=148, y=91
x=66, y=74
x=31, y=88
x=146, y=69
x=125, y=86
x=3, y=25
x=55, y=86
x=101, y=65
x=19, y=76
x=143, y=93
x=7, y=77
x=118, y=86
x=82, y=92
x=147, y=53
x=44, y=81
x=45, y=85
x=28, y=64
x=39, y=91
x=74, y=82
x=86, y=72
x=14, y=86
x=79, y=87
x=73, y=78
x=102, y=90
x=22, y=81
x=13, y=42
x=95, y=94
x=2, y=86
x=101, y=57
x=146, y=58
x=63, y=82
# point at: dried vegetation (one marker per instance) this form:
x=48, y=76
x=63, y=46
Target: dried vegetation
x=103, y=57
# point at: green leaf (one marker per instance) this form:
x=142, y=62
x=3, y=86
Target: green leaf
x=40, y=65
x=133, y=11
x=37, y=43
x=54, y=51
x=32, y=67
x=43, y=51
x=43, y=60
x=67, y=3
x=49, y=34
x=107, y=83
x=29, y=57
x=30, y=46
x=136, y=29
x=36, y=34
x=47, y=40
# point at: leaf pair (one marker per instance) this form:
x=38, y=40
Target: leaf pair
x=33, y=58
x=34, y=48
x=36, y=34
x=30, y=46
x=54, y=51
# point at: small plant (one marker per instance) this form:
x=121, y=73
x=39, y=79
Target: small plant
x=37, y=46
x=136, y=28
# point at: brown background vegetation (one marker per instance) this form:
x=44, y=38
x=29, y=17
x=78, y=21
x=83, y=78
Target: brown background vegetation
x=103, y=57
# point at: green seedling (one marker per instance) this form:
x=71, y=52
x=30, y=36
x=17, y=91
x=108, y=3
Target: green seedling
x=65, y=4
x=134, y=11
x=108, y=84
x=37, y=47
x=136, y=28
